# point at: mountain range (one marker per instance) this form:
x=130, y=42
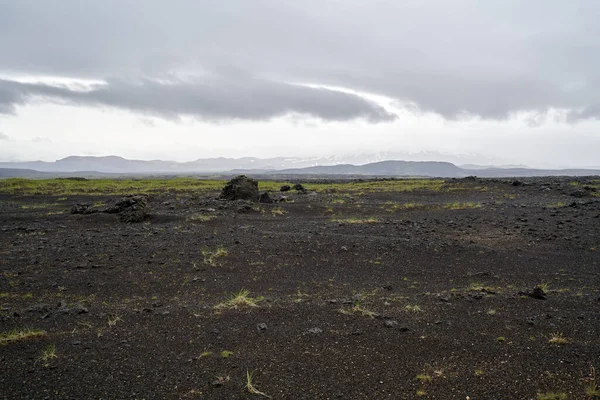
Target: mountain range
x=282, y=166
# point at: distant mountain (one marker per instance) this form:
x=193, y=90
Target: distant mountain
x=475, y=166
x=525, y=172
x=115, y=164
x=20, y=173
x=118, y=166
x=384, y=168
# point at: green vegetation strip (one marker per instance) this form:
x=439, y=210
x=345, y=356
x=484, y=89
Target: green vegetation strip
x=18, y=335
x=65, y=187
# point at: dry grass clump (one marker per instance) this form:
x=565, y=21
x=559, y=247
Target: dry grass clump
x=17, y=335
x=354, y=220
x=250, y=385
x=558, y=339
x=240, y=299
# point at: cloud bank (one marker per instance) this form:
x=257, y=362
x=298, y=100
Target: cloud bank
x=488, y=59
x=214, y=99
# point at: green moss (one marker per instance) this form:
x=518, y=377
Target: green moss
x=17, y=335
x=66, y=187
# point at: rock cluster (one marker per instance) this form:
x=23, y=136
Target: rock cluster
x=240, y=188
x=130, y=208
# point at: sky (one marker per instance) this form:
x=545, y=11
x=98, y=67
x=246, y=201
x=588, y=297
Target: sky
x=517, y=82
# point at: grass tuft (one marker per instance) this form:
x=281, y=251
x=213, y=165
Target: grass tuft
x=414, y=309
x=461, y=206
x=552, y=396
x=250, y=385
x=226, y=353
x=240, y=299
x=212, y=257
x=201, y=218
x=18, y=335
x=49, y=353
x=558, y=339
x=278, y=211
x=590, y=385
x=360, y=310
x=354, y=220
x=113, y=320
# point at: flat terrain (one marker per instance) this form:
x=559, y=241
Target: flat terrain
x=373, y=290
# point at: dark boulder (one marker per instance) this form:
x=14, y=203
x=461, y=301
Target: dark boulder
x=280, y=199
x=299, y=188
x=83, y=209
x=285, y=188
x=265, y=198
x=240, y=188
x=130, y=209
x=537, y=293
x=583, y=192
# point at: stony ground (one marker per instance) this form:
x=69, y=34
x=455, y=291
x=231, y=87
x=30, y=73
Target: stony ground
x=350, y=295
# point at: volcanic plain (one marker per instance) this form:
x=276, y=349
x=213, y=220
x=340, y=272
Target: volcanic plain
x=373, y=289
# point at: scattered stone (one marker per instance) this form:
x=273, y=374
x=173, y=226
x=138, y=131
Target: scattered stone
x=83, y=209
x=265, y=198
x=285, y=188
x=475, y=296
x=298, y=187
x=580, y=192
x=537, y=293
x=130, y=208
x=517, y=183
x=244, y=209
x=240, y=188
x=390, y=323
x=444, y=298
x=39, y=308
x=62, y=307
x=315, y=331
x=262, y=327
x=479, y=274
x=80, y=309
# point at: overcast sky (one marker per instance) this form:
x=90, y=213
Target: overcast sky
x=516, y=81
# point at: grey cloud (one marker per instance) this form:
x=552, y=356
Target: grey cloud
x=453, y=58
x=591, y=112
x=4, y=136
x=217, y=98
x=38, y=139
x=10, y=96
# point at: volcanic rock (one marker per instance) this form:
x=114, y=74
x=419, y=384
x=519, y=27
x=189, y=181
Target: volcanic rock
x=240, y=188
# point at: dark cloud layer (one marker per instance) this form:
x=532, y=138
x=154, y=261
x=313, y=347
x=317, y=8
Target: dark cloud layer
x=458, y=57
x=213, y=99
